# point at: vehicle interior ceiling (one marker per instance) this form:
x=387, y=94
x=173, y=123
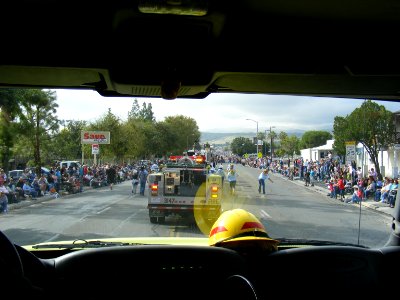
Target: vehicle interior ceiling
x=316, y=48
x=306, y=48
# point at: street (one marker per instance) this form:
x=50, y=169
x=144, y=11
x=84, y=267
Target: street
x=287, y=210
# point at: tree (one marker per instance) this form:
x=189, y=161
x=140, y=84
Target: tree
x=242, y=145
x=67, y=143
x=134, y=112
x=10, y=101
x=290, y=145
x=118, y=146
x=371, y=125
x=38, y=121
x=271, y=136
x=187, y=132
x=314, y=138
x=164, y=139
x=145, y=113
x=144, y=140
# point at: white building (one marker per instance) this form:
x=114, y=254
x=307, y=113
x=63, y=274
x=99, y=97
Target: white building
x=317, y=153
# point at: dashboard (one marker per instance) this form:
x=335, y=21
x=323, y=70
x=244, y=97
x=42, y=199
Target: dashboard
x=202, y=272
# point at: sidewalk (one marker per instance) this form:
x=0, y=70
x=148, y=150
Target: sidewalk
x=29, y=201
x=321, y=187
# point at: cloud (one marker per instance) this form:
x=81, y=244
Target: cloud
x=221, y=112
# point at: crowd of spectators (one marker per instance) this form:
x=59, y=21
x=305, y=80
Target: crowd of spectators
x=59, y=181
x=340, y=179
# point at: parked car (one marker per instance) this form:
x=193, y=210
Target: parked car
x=44, y=170
x=66, y=164
x=15, y=174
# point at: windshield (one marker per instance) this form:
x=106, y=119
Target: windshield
x=106, y=167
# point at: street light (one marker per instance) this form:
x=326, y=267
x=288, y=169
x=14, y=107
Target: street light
x=270, y=133
x=187, y=141
x=256, y=133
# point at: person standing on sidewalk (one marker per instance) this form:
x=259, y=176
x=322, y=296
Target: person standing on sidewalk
x=341, y=187
x=312, y=176
x=261, y=180
x=3, y=197
x=307, y=178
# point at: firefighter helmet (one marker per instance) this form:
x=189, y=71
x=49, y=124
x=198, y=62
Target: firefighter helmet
x=239, y=226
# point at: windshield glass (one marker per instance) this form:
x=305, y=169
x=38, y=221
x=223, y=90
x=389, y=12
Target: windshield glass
x=89, y=167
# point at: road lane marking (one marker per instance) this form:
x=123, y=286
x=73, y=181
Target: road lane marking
x=52, y=238
x=103, y=210
x=265, y=214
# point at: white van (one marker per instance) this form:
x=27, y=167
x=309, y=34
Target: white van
x=67, y=163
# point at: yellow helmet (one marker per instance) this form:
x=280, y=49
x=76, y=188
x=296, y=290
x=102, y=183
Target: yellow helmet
x=238, y=226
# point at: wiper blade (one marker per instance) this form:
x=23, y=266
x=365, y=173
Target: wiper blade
x=305, y=242
x=83, y=244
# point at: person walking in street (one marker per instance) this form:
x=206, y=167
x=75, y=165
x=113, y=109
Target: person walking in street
x=232, y=177
x=221, y=173
x=135, y=180
x=143, y=173
x=261, y=180
x=111, y=173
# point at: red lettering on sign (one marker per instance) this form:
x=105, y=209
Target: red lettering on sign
x=93, y=136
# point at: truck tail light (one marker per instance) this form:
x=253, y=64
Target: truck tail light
x=199, y=160
x=214, y=191
x=154, y=189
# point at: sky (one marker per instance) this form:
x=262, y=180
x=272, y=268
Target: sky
x=221, y=113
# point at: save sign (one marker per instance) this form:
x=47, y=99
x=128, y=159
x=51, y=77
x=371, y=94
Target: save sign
x=95, y=137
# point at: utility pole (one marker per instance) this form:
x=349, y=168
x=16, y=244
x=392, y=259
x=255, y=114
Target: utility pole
x=270, y=134
x=265, y=145
x=256, y=133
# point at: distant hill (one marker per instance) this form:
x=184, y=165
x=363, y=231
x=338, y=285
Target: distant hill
x=224, y=138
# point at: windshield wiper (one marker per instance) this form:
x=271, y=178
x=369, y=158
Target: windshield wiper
x=85, y=244
x=305, y=242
